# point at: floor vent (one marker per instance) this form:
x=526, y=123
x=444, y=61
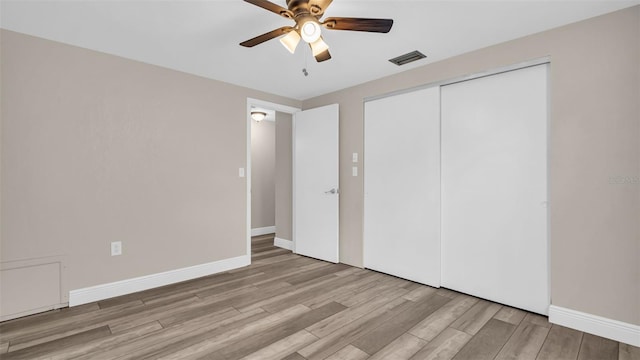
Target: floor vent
x=408, y=57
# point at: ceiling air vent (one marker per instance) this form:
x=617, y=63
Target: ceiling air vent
x=408, y=57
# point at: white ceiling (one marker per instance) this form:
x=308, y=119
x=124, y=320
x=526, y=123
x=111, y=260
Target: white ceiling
x=202, y=37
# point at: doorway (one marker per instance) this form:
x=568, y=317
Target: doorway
x=263, y=171
x=269, y=175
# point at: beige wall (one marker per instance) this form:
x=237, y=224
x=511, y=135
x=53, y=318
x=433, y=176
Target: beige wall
x=263, y=167
x=96, y=148
x=284, y=178
x=594, y=135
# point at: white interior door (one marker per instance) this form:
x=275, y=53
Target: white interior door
x=494, y=188
x=402, y=186
x=315, y=183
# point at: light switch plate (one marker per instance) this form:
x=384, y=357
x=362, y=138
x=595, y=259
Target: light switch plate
x=354, y=171
x=116, y=248
x=354, y=157
x=241, y=172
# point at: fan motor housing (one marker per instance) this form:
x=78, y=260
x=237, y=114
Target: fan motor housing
x=300, y=7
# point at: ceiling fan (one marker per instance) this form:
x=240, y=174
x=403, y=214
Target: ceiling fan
x=307, y=14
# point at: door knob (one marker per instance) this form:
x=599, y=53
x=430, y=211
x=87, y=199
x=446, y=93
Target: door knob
x=332, y=191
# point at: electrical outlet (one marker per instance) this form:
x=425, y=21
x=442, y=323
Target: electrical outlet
x=116, y=248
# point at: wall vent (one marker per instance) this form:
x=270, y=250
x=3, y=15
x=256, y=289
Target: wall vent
x=408, y=57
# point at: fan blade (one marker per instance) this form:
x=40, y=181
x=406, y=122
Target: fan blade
x=323, y=56
x=358, y=24
x=268, y=5
x=267, y=36
x=318, y=7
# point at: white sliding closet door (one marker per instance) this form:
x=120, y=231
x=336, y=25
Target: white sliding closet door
x=494, y=188
x=402, y=186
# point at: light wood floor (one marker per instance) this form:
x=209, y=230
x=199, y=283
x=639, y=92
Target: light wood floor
x=286, y=306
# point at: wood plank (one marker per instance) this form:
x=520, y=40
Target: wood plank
x=177, y=336
x=270, y=253
x=251, y=300
x=561, y=344
x=349, y=352
x=80, y=325
x=410, y=285
x=332, y=324
x=61, y=343
x=448, y=293
x=315, y=274
x=360, y=279
x=271, y=302
x=273, y=260
x=187, y=287
x=355, y=270
x=354, y=330
x=294, y=356
x=213, y=344
x=7, y=328
x=264, y=247
x=525, y=343
x=179, y=318
x=401, y=348
x=597, y=348
x=444, y=346
x=67, y=324
x=103, y=344
x=628, y=352
x=388, y=284
x=384, y=334
x=293, y=262
x=121, y=300
x=283, y=348
x=278, y=332
x=206, y=288
x=437, y=322
x=487, y=342
x=476, y=317
x=511, y=315
x=157, y=313
x=307, y=293
x=537, y=319
x=280, y=273
x=420, y=292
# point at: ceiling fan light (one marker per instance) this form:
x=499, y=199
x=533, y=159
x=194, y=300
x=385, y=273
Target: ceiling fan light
x=258, y=115
x=290, y=41
x=310, y=31
x=318, y=47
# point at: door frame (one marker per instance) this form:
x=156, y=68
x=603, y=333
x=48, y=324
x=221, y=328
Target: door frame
x=268, y=105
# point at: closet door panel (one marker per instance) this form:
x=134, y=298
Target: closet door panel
x=494, y=188
x=402, y=186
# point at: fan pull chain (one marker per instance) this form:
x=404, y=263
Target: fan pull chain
x=304, y=69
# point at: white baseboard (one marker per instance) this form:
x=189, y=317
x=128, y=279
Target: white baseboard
x=263, y=231
x=283, y=243
x=596, y=325
x=118, y=288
